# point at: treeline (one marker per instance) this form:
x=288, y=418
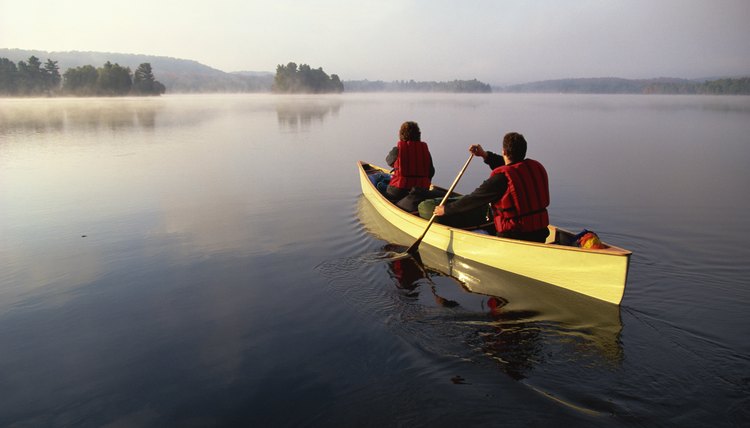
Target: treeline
x=178, y=75
x=29, y=78
x=457, y=86
x=111, y=80
x=291, y=79
x=739, y=86
x=33, y=79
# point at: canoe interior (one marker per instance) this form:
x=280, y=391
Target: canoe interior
x=557, y=236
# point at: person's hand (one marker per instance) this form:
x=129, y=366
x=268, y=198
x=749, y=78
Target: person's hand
x=439, y=210
x=477, y=150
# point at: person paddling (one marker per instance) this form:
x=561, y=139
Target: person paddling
x=517, y=189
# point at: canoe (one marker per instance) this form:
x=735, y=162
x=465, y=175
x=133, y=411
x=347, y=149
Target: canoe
x=597, y=273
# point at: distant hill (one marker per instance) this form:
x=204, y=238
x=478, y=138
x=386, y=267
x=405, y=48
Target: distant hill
x=457, y=86
x=614, y=85
x=178, y=75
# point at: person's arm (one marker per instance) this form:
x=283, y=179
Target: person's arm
x=490, y=191
x=392, y=156
x=494, y=160
x=432, y=168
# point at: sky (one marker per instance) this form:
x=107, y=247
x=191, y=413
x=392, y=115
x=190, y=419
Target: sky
x=495, y=41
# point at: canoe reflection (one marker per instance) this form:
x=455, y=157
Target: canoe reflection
x=514, y=320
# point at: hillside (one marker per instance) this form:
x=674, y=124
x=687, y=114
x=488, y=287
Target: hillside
x=613, y=85
x=178, y=75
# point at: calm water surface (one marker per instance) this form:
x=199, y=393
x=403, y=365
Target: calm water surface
x=207, y=260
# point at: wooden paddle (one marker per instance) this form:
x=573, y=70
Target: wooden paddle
x=415, y=245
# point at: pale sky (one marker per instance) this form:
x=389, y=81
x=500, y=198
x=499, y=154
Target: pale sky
x=497, y=42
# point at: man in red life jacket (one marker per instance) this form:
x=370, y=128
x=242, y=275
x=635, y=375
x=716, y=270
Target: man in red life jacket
x=518, y=191
x=412, y=168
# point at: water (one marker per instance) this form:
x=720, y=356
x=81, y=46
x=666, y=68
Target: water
x=208, y=260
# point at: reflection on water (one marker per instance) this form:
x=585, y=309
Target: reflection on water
x=514, y=321
x=60, y=115
x=294, y=114
x=299, y=116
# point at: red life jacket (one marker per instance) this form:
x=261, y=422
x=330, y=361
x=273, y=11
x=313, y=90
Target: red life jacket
x=412, y=166
x=523, y=207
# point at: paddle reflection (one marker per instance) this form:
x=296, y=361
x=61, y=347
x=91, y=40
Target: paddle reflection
x=408, y=273
x=515, y=321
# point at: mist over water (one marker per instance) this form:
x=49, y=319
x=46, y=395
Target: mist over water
x=208, y=260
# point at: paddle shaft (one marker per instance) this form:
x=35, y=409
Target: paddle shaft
x=415, y=245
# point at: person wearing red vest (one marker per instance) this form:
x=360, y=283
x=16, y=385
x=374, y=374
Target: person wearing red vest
x=517, y=190
x=412, y=168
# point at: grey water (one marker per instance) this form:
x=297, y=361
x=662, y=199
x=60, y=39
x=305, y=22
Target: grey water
x=205, y=260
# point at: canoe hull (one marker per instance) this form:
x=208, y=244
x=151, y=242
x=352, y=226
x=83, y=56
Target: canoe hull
x=601, y=274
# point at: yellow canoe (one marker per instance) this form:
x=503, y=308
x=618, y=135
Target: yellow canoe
x=598, y=273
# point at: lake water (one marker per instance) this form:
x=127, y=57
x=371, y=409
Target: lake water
x=206, y=261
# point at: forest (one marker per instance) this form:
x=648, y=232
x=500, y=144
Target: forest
x=458, y=86
x=304, y=79
x=612, y=85
x=739, y=86
x=32, y=78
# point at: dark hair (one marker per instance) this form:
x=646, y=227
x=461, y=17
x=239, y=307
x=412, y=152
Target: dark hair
x=409, y=132
x=514, y=146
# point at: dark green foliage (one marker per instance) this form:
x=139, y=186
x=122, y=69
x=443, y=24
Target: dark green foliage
x=8, y=77
x=144, y=82
x=114, y=80
x=290, y=79
x=81, y=80
x=51, y=76
x=30, y=78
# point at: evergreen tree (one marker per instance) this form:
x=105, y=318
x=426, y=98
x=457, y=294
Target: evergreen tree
x=144, y=82
x=8, y=77
x=29, y=78
x=51, y=76
x=336, y=83
x=34, y=78
x=286, y=78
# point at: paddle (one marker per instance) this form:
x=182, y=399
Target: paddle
x=415, y=245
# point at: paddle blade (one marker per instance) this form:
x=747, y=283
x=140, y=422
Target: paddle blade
x=414, y=247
